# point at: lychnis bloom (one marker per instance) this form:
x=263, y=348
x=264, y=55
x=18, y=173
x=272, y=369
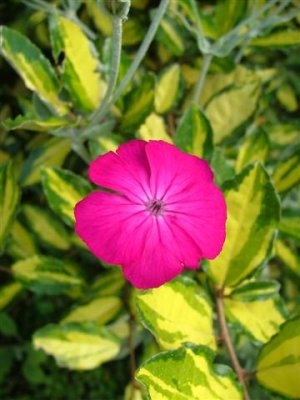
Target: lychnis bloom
x=162, y=213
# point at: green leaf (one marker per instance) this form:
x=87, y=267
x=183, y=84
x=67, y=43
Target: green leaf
x=99, y=309
x=188, y=373
x=133, y=31
x=21, y=243
x=287, y=97
x=34, y=123
x=256, y=147
x=32, y=66
x=170, y=35
x=278, y=39
x=108, y=283
x=283, y=134
x=80, y=346
x=46, y=228
x=139, y=103
x=168, y=89
x=154, y=129
x=289, y=225
x=222, y=168
x=286, y=175
x=63, y=190
x=231, y=108
x=51, y=153
x=255, y=290
x=102, y=20
x=104, y=144
x=8, y=326
x=234, y=10
x=80, y=69
x=45, y=275
x=260, y=319
x=9, y=200
x=278, y=366
x=159, y=312
x=289, y=257
x=8, y=293
x=194, y=134
x=252, y=216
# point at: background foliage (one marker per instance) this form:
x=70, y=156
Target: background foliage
x=221, y=81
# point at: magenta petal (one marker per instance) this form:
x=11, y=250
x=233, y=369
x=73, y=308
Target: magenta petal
x=165, y=214
x=108, y=223
x=126, y=171
x=159, y=257
x=172, y=170
x=203, y=215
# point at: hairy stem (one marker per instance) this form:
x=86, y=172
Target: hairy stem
x=227, y=340
x=139, y=56
x=202, y=76
x=114, y=69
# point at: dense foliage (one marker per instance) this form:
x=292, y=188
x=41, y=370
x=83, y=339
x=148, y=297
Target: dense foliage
x=220, y=79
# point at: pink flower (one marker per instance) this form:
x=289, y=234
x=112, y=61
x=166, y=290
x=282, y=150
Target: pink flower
x=163, y=212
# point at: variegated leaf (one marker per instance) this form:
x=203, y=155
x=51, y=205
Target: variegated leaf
x=278, y=366
x=159, y=309
x=45, y=275
x=99, y=309
x=32, y=66
x=46, y=228
x=9, y=200
x=260, y=319
x=188, y=373
x=256, y=147
x=79, y=346
x=194, y=134
x=63, y=190
x=80, y=68
x=252, y=217
x=168, y=89
x=50, y=154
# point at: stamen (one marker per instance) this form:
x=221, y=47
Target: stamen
x=156, y=207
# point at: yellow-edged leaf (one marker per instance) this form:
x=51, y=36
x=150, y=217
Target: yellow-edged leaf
x=46, y=228
x=278, y=366
x=50, y=154
x=252, y=217
x=154, y=129
x=9, y=200
x=80, y=69
x=63, y=190
x=261, y=319
x=32, y=66
x=100, y=310
x=79, y=346
x=167, y=90
x=188, y=373
x=159, y=309
x=8, y=293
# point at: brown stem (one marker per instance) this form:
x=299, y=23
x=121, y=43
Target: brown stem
x=227, y=340
x=6, y=270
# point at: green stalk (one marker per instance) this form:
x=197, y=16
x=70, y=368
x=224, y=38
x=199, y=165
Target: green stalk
x=137, y=60
x=115, y=64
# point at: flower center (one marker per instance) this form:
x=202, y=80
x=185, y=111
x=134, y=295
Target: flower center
x=156, y=207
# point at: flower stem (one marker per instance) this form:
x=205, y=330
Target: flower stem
x=114, y=69
x=138, y=58
x=227, y=340
x=202, y=76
